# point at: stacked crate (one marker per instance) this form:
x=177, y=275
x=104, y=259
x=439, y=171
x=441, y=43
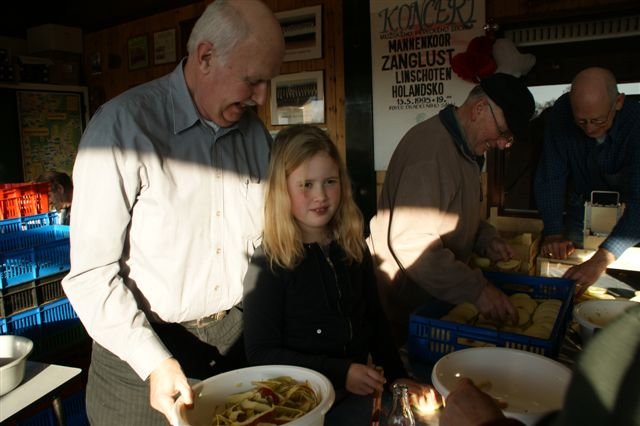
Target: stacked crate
x=34, y=257
x=23, y=199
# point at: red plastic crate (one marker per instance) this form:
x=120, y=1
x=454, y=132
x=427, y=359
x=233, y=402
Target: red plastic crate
x=23, y=199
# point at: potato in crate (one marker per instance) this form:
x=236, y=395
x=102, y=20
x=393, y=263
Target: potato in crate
x=544, y=306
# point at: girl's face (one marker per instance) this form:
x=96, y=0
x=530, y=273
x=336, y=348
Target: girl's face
x=314, y=191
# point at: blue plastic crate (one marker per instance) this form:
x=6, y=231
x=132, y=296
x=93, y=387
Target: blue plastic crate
x=55, y=338
x=44, y=417
x=29, y=222
x=430, y=338
x=30, y=238
x=59, y=310
x=3, y=326
x=75, y=410
x=33, y=253
x=24, y=321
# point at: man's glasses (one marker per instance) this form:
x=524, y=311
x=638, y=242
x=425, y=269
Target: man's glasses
x=502, y=134
x=598, y=122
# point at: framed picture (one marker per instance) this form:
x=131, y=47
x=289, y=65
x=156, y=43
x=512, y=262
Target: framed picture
x=95, y=61
x=302, y=29
x=164, y=47
x=297, y=98
x=138, y=52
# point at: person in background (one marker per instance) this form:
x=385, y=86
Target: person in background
x=604, y=388
x=310, y=295
x=429, y=221
x=591, y=144
x=168, y=193
x=60, y=193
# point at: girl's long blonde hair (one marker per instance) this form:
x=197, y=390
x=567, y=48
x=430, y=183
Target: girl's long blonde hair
x=282, y=239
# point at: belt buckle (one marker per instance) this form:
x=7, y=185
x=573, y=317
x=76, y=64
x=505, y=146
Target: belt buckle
x=219, y=315
x=201, y=322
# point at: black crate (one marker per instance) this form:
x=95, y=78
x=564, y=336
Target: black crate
x=50, y=289
x=17, y=299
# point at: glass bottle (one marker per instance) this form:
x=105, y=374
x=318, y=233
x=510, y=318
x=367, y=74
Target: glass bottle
x=400, y=414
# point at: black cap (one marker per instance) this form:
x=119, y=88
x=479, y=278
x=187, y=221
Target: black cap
x=514, y=98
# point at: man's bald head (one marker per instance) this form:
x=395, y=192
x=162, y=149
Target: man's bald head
x=594, y=84
x=594, y=96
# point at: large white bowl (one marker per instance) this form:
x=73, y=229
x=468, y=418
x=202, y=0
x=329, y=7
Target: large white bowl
x=531, y=385
x=213, y=391
x=593, y=315
x=14, y=351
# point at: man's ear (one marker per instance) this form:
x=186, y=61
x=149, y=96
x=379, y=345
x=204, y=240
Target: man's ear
x=619, y=101
x=478, y=106
x=204, y=55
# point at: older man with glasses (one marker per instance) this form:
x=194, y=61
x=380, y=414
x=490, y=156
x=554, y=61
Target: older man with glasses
x=429, y=222
x=591, y=143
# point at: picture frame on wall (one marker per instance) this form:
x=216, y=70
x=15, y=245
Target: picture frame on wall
x=95, y=62
x=297, y=98
x=138, y=52
x=164, y=47
x=302, y=30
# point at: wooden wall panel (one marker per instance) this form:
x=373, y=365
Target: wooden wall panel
x=111, y=45
x=332, y=63
x=116, y=77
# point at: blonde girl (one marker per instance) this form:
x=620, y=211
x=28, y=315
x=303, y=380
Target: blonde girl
x=310, y=294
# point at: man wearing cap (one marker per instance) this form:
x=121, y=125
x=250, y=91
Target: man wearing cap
x=429, y=221
x=591, y=143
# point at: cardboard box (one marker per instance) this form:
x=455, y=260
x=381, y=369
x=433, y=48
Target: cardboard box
x=524, y=236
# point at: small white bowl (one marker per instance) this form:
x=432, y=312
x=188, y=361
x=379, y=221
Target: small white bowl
x=212, y=392
x=593, y=315
x=530, y=385
x=14, y=351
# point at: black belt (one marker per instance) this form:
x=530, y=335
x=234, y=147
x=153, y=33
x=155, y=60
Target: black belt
x=201, y=322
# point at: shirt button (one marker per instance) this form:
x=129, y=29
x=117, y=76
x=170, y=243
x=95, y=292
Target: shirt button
x=319, y=331
x=218, y=251
x=218, y=213
x=216, y=288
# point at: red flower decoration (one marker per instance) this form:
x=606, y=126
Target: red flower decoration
x=477, y=62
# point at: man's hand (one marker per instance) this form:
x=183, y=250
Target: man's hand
x=499, y=249
x=589, y=271
x=469, y=406
x=556, y=246
x=493, y=304
x=363, y=380
x=166, y=382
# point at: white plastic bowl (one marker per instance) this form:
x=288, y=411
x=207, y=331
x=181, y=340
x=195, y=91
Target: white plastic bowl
x=213, y=391
x=14, y=351
x=531, y=385
x=593, y=315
